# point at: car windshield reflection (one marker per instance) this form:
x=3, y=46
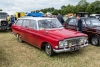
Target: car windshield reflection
x=49, y=24
x=92, y=22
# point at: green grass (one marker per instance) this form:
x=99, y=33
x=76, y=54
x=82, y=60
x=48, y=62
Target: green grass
x=15, y=54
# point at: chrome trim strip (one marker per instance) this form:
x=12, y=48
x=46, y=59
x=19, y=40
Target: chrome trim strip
x=75, y=38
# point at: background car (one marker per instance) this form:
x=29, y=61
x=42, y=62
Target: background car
x=48, y=34
x=83, y=14
x=98, y=16
x=91, y=27
x=3, y=21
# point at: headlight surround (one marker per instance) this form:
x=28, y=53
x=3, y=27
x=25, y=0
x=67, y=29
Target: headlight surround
x=63, y=44
x=83, y=40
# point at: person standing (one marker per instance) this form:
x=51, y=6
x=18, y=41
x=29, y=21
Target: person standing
x=60, y=18
x=79, y=25
x=12, y=21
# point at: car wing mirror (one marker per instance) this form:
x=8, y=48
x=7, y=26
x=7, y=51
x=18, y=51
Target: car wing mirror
x=63, y=25
x=26, y=26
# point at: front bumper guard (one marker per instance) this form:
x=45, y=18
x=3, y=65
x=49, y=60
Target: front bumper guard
x=3, y=27
x=68, y=49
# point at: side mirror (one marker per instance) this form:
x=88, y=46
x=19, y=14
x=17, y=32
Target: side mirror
x=64, y=24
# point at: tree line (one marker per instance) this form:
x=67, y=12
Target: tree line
x=82, y=6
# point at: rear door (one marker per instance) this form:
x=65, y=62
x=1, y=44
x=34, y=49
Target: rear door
x=32, y=33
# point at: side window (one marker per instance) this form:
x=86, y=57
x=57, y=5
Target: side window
x=25, y=23
x=84, y=24
x=73, y=22
x=19, y=22
x=88, y=23
x=32, y=24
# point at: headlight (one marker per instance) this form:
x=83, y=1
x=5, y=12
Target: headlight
x=83, y=40
x=63, y=44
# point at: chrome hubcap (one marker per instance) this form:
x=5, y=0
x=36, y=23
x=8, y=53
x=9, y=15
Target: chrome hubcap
x=48, y=49
x=19, y=38
x=94, y=41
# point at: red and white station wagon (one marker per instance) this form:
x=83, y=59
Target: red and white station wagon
x=48, y=34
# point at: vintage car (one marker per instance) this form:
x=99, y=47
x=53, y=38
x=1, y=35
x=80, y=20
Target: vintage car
x=83, y=14
x=91, y=27
x=48, y=34
x=3, y=21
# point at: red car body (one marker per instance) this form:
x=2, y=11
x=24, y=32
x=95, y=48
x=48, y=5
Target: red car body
x=39, y=37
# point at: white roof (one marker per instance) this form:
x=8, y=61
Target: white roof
x=3, y=12
x=35, y=18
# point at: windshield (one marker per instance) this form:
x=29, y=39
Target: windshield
x=3, y=15
x=93, y=22
x=49, y=24
x=97, y=16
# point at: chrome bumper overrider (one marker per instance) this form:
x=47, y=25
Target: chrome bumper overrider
x=68, y=49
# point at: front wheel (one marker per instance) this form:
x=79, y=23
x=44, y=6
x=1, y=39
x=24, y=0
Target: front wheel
x=48, y=49
x=95, y=40
x=19, y=38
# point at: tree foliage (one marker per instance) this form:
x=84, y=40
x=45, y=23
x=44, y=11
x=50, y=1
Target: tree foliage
x=82, y=6
x=0, y=9
x=94, y=7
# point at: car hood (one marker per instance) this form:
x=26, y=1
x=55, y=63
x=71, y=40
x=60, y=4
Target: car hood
x=63, y=33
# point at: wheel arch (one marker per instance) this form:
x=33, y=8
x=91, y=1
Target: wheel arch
x=43, y=45
x=92, y=36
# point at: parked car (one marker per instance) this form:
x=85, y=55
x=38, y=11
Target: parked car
x=98, y=16
x=48, y=34
x=3, y=21
x=83, y=14
x=91, y=27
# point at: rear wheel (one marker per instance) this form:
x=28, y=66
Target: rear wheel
x=95, y=40
x=49, y=50
x=19, y=38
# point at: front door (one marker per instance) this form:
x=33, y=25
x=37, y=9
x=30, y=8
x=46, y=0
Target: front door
x=72, y=24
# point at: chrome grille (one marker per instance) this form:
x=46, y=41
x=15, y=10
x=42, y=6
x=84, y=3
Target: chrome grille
x=73, y=41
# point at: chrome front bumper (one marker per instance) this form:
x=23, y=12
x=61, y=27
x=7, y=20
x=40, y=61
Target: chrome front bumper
x=3, y=27
x=68, y=49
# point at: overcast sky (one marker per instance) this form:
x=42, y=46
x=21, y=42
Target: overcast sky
x=11, y=6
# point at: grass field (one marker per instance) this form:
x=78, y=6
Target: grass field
x=15, y=54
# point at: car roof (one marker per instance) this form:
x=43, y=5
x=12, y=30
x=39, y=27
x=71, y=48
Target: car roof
x=82, y=12
x=2, y=12
x=35, y=18
x=81, y=18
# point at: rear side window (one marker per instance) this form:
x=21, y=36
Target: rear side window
x=33, y=24
x=19, y=22
x=25, y=23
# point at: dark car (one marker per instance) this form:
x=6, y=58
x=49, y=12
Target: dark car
x=3, y=21
x=91, y=27
x=98, y=16
x=83, y=14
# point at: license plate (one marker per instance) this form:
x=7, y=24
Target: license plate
x=74, y=48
